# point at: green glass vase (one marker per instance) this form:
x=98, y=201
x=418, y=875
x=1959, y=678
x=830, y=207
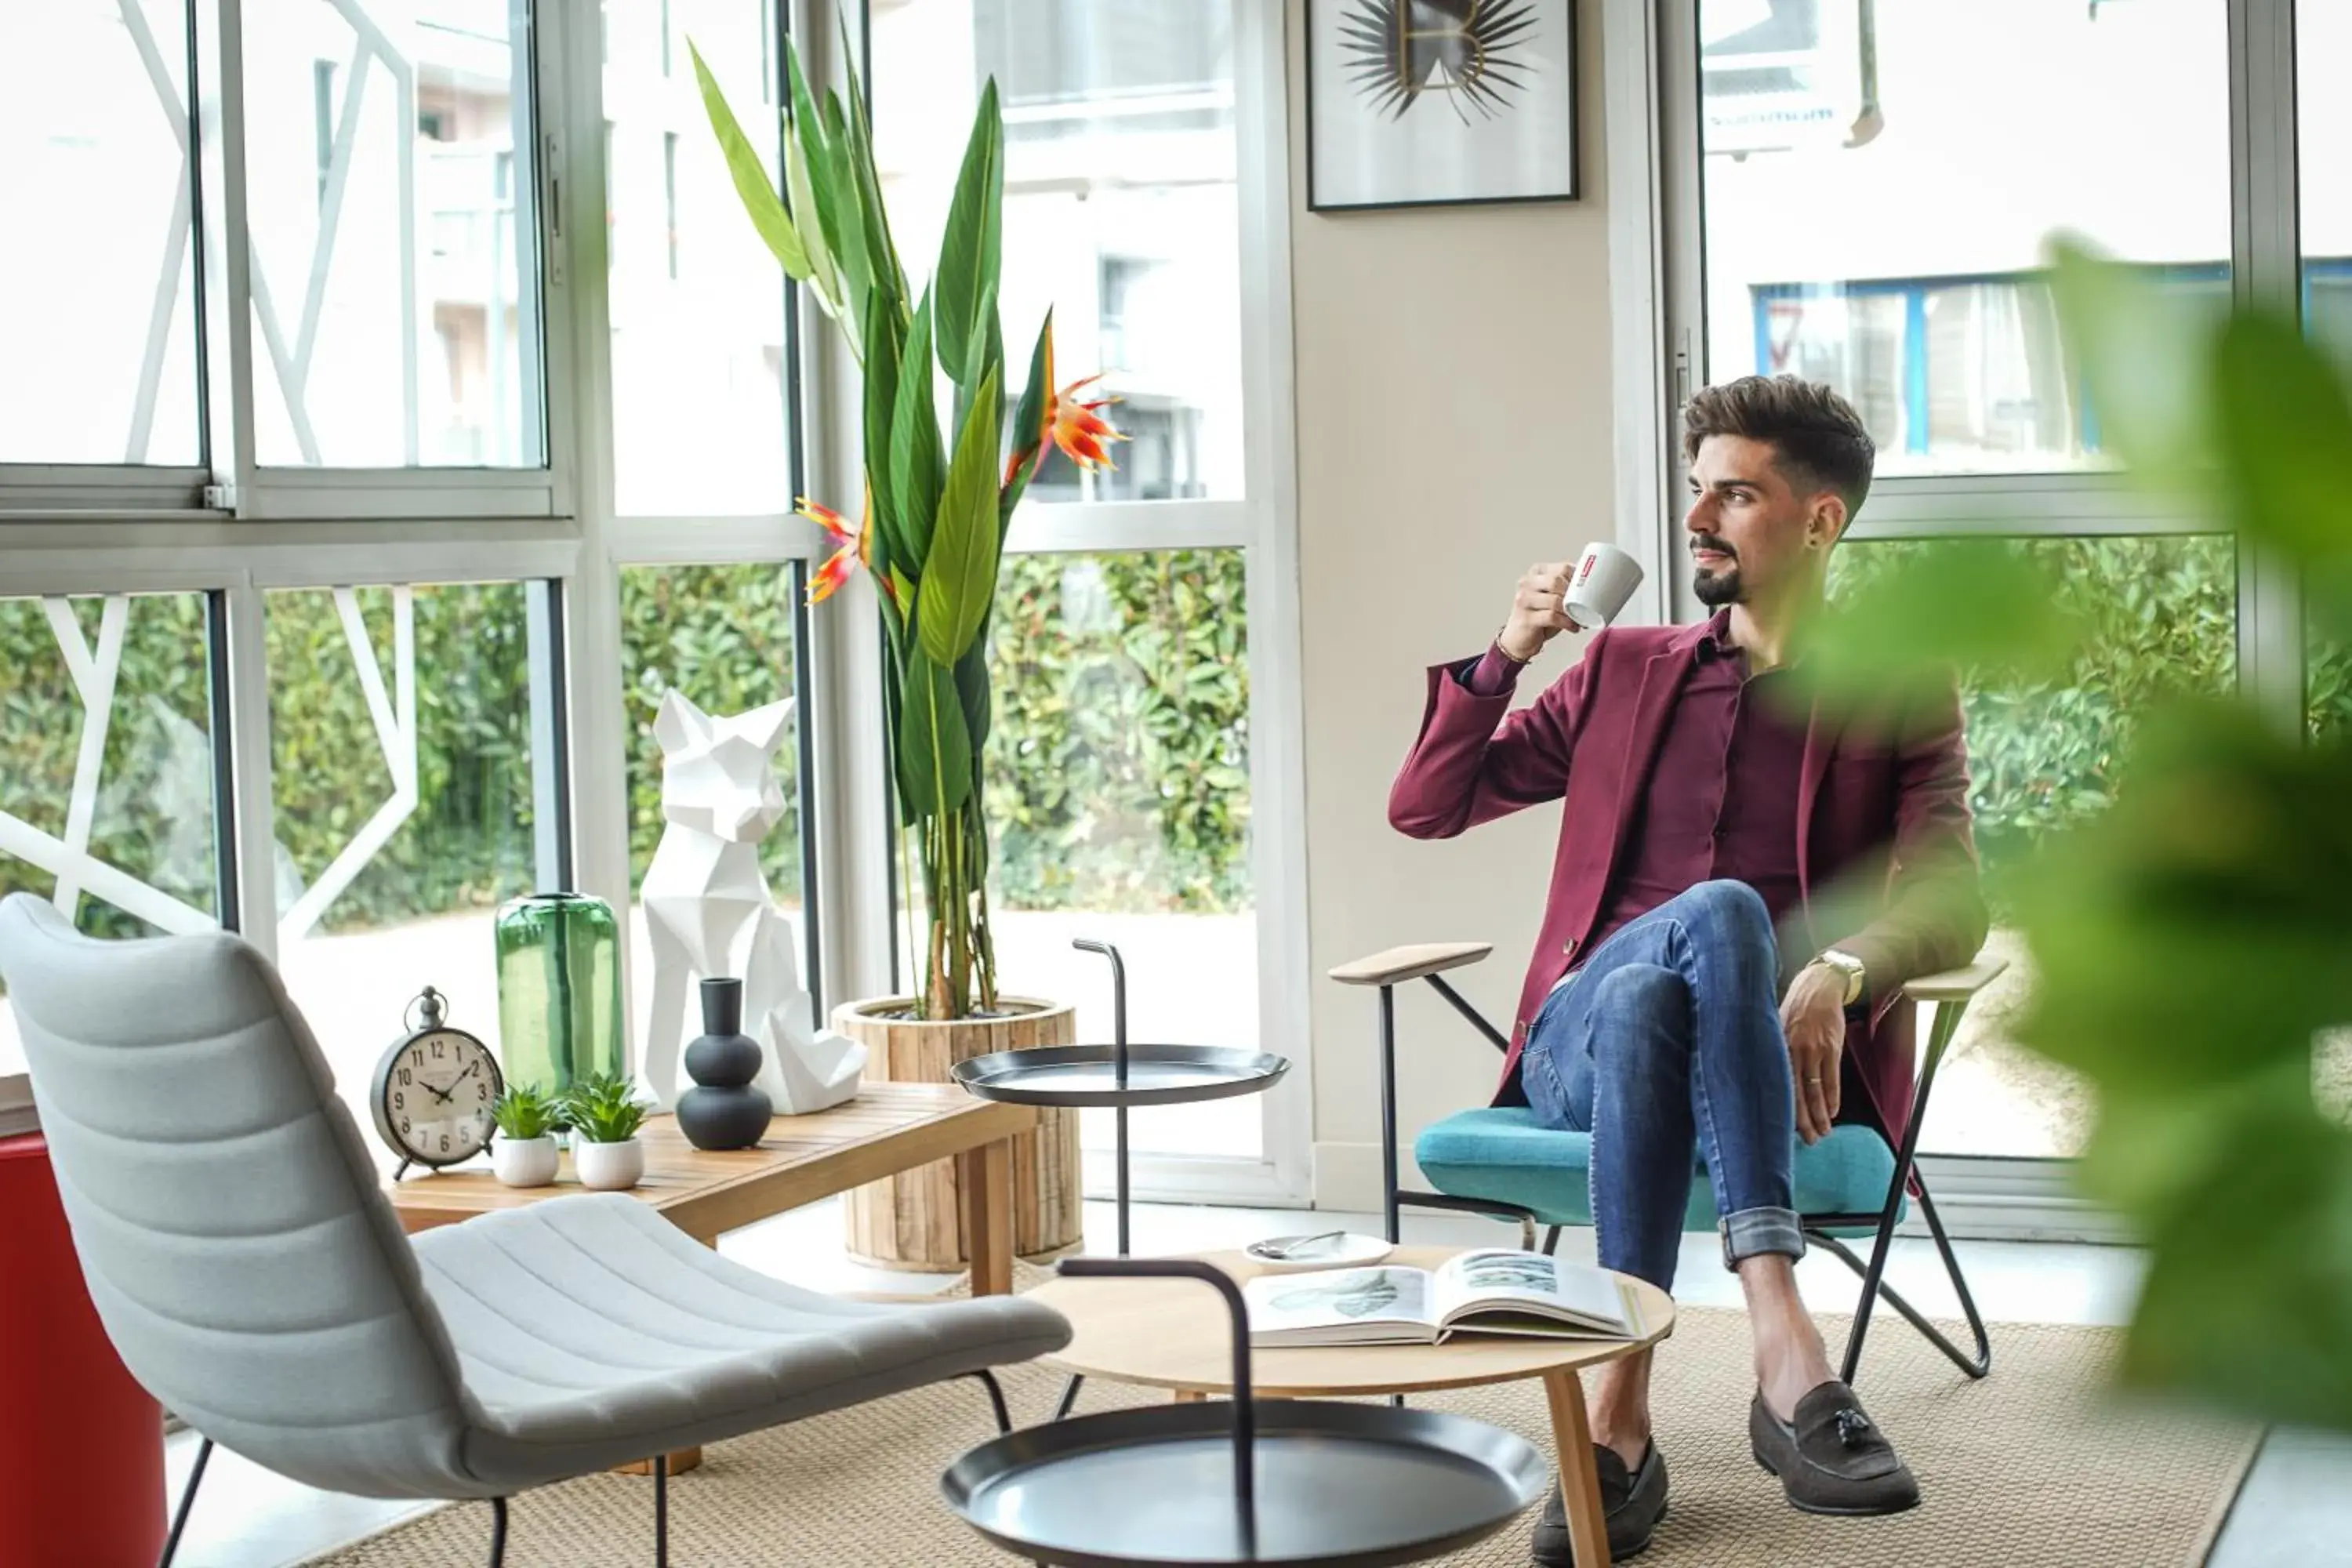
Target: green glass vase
x=559, y=990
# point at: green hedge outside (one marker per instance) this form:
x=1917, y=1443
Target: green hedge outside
x=1121, y=734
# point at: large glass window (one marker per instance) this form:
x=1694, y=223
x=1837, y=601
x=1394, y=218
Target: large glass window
x=1120, y=799
x=97, y=320
x=106, y=765
x=402, y=772
x=1880, y=177
x=388, y=188
x=723, y=639
x=699, y=419
x=1121, y=206
x=2159, y=616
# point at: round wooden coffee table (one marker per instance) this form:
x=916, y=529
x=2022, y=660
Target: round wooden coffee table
x=1175, y=1334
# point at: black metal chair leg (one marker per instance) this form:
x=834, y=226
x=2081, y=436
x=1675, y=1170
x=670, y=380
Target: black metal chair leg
x=1982, y=1364
x=187, y=1499
x=1551, y=1241
x=498, y=1533
x=661, y=1510
x=1977, y=1367
x=1069, y=1397
x=995, y=1400
x=1492, y=1208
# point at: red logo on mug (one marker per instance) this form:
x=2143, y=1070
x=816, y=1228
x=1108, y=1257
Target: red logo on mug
x=1586, y=569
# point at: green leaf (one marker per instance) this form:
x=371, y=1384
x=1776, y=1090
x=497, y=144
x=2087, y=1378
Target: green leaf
x=935, y=758
x=968, y=248
x=2278, y=404
x=883, y=347
x=818, y=151
x=867, y=183
x=1983, y=606
x=2142, y=356
x=972, y=687
x=915, y=458
x=825, y=272
x=959, y=571
x=2195, y=931
x=1028, y=422
x=752, y=183
x=2246, y=1298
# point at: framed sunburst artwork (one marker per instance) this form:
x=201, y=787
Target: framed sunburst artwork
x=1440, y=102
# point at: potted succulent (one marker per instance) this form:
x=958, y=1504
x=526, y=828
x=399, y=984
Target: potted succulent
x=930, y=535
x=525, y=1154
x=604, y=1113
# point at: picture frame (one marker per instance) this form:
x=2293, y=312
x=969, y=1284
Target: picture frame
x=1427, y=103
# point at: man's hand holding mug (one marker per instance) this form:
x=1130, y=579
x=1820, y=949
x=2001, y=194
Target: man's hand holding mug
x=1556, y=596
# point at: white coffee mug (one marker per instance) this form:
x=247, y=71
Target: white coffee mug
x=1604, y=579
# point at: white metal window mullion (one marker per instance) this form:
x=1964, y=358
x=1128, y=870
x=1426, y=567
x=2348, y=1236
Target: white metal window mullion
x=224, y=281
x=1647, y=388
x=1114, y=527
x=2266, y=269
x=572, y=180
x=85, y=494
x=253, y=800
x=1269, y=520
x=776, y=538
x=154, y=557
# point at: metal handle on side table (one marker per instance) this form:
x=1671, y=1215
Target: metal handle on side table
x=1245, y=1416
x=1118, y=1000
x=1119, y=1064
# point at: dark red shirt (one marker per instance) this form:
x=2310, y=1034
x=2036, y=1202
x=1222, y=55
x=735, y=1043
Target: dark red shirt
x=1721, y=800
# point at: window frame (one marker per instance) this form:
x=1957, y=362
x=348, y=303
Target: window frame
x=235, y=531
x=1658, y=247
x=230, y=484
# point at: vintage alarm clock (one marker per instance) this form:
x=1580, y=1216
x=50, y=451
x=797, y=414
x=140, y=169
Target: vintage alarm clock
x=435, y=1090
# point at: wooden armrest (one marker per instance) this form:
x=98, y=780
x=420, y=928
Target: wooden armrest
x=1955, y=984
x=1414, y=963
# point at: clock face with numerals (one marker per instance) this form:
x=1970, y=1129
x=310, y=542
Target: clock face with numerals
x=433, y=1091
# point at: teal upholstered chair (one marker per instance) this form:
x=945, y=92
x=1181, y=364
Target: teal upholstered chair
x=1497, y=1160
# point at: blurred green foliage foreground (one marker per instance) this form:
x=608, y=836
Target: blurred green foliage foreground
x=2192, y=942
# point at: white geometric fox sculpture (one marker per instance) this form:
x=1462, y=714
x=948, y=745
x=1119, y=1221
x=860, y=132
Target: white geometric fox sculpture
x=709, y=913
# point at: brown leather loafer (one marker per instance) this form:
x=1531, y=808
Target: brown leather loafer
x=1832, y=1458
x=1631, y=1503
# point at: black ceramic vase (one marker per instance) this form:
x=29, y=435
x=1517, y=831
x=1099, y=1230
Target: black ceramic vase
x=723, y=1111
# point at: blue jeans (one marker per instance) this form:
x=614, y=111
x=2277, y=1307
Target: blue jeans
x=1666, y=1039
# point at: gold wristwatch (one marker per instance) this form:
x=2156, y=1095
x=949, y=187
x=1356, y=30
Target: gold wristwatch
x=1848, y=965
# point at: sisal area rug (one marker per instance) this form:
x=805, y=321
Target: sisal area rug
x=2033, y=1466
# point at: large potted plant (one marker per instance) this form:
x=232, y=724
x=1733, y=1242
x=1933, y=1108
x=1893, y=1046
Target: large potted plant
x=930, y=533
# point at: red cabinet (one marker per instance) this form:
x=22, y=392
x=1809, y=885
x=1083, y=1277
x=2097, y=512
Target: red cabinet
x=81, y=1446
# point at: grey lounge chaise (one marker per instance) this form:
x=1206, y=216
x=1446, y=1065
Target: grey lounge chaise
x=257, y=1282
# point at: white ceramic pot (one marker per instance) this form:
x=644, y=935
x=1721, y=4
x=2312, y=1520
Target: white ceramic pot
x=524, y=1162
x=608, y=1167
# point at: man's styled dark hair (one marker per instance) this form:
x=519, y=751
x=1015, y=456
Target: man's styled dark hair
x=1822, y=442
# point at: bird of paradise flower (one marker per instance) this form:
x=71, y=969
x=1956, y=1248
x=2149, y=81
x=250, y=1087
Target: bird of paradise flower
x=1074, y=424
x=1469, y=51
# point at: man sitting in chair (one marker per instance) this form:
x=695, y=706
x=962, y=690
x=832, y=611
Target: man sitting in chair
x=1682, y=994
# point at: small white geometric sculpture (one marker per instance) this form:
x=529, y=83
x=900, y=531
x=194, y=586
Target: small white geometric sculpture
x=709, y=913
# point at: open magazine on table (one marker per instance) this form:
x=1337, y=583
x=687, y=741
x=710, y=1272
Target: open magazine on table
x=1487, y=1291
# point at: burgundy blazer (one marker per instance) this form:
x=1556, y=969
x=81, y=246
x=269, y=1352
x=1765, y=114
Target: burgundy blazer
x=1885, y=860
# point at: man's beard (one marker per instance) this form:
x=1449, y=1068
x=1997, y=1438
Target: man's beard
x=1717, y=589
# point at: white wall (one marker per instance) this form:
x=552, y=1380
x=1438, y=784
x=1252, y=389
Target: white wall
x=1454, y=426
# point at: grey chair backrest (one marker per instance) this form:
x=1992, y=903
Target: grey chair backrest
x=240, y=1255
